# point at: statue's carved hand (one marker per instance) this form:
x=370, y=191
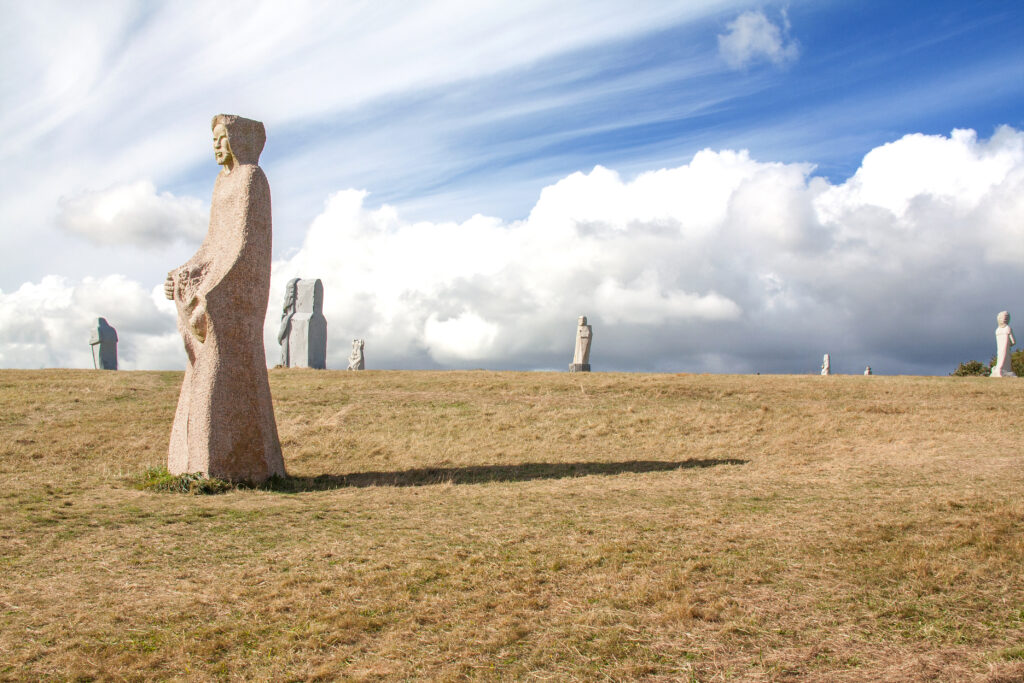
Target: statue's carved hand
x=198, y=322
x=169, y=287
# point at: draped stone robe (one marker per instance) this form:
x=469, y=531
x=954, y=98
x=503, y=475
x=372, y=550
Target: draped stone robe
x=224, y=424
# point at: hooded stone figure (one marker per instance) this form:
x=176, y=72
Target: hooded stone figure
x=104, y=336
x=224, y=425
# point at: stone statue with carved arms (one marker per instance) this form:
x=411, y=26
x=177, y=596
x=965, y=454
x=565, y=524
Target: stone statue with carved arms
x=224, y=424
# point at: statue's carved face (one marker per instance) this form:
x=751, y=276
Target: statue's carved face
x=582, y=320
x=221, y=148
x=1003, y=318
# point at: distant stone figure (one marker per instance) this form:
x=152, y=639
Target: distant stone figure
x=303, y=332
x=581, y=356
x=287, y=312
x=355, y=359
x=1004, y=340
x=867, y=370
x=104, y=336
x=826, y=367
x=224, y=425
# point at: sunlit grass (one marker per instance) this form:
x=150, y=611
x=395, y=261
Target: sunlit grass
x=519, y=525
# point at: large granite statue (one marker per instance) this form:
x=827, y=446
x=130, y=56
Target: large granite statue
x=1004, y=340
x=303, y=331
x=581, y=356
x=355, y=359
x=104, y=336
x=826, y=365
x=224, y=424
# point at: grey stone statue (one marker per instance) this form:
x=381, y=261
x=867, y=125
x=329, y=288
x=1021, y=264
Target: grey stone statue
x=355, y=359
x=305, y=339
x=581, y=356
x=104, y=336
x=287, y=312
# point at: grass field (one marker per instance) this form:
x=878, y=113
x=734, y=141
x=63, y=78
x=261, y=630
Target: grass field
x=498, y=525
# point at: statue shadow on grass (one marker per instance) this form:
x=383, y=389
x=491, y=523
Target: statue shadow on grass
x=482, y=474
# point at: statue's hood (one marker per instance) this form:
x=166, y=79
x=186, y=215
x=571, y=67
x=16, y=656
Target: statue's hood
x=245, y=136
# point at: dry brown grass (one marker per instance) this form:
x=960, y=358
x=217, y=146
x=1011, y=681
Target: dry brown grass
x=523, y=525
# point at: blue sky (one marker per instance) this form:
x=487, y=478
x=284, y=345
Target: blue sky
x=442, y=111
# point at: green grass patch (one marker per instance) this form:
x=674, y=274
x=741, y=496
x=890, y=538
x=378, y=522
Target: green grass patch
x=194, y=483
x=1013, y=653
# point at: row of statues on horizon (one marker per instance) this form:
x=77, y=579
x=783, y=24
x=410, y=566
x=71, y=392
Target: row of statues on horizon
x=303, y=337
x=826, y=367
x=1004, y=342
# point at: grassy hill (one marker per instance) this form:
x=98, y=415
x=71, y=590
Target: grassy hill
x=523, y=525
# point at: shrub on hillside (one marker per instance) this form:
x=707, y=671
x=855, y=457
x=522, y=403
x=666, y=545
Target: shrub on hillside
x=976, y=368
x=972, y=368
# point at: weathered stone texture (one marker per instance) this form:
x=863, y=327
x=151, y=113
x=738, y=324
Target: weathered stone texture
x=224, y=425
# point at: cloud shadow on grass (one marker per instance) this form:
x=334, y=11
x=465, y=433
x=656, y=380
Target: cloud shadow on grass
x=482, y=474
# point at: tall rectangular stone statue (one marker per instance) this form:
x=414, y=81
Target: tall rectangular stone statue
x=224, y=425
x=581, y=356
x=303, y=331
x=105, y=337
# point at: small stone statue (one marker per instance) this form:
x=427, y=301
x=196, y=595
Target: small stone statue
x=305, y=341
x=826, y=367
x=867, y=370
x=287, y=312
x=581, y=356
x=104, y=336
x=1004, y=340
x=224, y=425
x=355, y=359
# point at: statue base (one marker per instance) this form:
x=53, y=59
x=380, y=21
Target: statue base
x=579, y=367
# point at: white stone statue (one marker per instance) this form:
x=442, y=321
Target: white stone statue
x=826, y=368
x=581, y=356
x=355, y=359
x=104, y=336
x=867, y=370
x=1004, y=340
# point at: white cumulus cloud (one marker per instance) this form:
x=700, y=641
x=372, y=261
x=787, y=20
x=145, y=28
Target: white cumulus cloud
x=48, y=324
x=725, y=264
x=133, y=213
x=752, y=37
